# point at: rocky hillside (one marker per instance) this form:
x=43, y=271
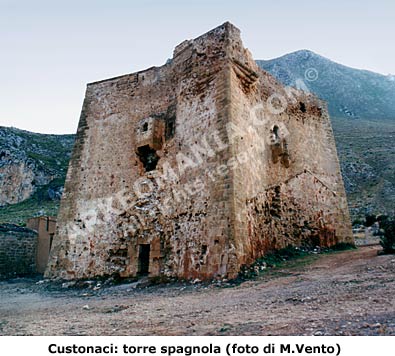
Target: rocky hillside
x=32, y=172
x=367, y=157
x=350, y=93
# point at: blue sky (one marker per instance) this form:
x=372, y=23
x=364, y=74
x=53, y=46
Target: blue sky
x=51, y=49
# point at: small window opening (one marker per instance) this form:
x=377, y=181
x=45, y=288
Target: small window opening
x=170, y=127
x=144, y=254
x=276, y=132
x=302, y=107
x=148, y=157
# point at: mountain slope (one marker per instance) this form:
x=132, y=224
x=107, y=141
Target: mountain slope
x=32, y=172
x=349, y=92
x=366, y=152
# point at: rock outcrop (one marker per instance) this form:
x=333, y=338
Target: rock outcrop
x=29, y=161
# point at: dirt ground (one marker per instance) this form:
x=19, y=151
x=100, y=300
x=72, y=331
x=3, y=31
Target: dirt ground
x=344, y=293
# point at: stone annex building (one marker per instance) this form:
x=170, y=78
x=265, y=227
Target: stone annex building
x=196, y=168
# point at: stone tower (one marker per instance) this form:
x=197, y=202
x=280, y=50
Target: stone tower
x=196, y=168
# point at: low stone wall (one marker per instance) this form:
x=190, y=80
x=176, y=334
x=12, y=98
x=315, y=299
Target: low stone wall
x=17, y=251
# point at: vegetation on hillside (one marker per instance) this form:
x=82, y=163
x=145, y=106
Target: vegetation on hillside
x=367, y=157
x=47, y=157
x=40, y=203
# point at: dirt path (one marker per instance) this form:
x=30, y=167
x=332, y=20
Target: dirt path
x=346, y=293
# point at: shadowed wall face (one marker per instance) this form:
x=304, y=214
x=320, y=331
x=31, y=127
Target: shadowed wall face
x=293, y=193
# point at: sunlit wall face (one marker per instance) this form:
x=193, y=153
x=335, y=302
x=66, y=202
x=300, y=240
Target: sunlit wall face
x=50, y=50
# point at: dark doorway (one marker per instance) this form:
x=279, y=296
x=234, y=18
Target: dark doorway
x=144, y=251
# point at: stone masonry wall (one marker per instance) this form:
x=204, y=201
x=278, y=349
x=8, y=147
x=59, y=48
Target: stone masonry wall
x=185, y=170
x=289, y=190
x=17, y=251
x=163, y=113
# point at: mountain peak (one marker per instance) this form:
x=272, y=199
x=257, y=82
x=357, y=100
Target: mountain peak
x=349, y=92
x=304, y=52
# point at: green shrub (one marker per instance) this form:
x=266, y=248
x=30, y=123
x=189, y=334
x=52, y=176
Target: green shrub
x=387, y=239
x=370, y=220
x=342, y=246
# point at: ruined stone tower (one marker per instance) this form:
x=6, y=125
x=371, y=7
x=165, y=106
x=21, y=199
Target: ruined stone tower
x=196, y=168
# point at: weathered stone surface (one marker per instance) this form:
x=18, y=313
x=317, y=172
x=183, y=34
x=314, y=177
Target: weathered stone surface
x=16, y=183
x=195, y=168
x=17, y=251
x=29, y=162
